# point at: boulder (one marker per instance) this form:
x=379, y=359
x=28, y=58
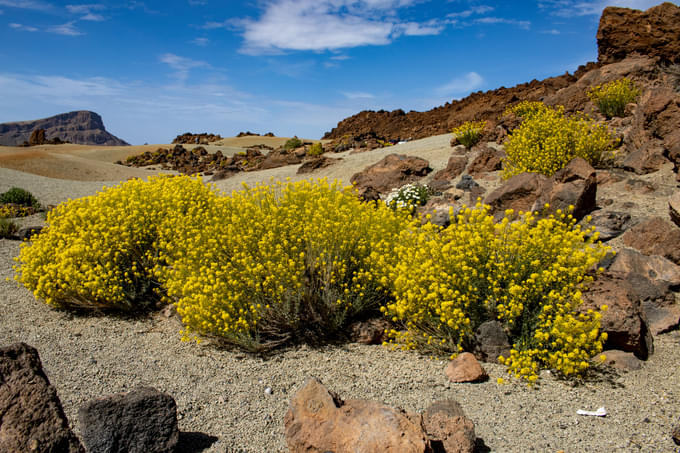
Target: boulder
x=628, y=263
x=31, y=416
x=467, y=183
x=574, y=185
x=624, y=321
x=610, y=224
x=647, y=159
x=371, y=331
x=465, y=368
x=318, y=421
x=655, y=32
x=452, y=431
x=454, y=168
x=26, y=233
x=488, y=159
x=393, y=171
x=143, y=420
x=315, y=163
x=279, y=158
x=674, y=207
x=655, y=236
x=675, y=434
x=622, y=360
x=491, y=341
x=519, y=193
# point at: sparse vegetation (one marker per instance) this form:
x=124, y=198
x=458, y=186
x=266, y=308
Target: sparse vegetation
x=469, y=133
x=7, y=228
x=19, y=196
x=612, y=98
x=293, y=143
x=315, y=150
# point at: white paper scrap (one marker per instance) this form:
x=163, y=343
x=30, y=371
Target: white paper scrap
x=601, y=412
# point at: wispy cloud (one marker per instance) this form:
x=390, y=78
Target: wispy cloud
x=569, y=8
x=317, y=25
x=23, y=27
x=552, y=31
x=182, y=65
x=87, y=12
x=357, y=95
x=461, y=85
x=26, y=4
x=523, y=24
x=200, y=41
x=67, y=29
x=473, y=11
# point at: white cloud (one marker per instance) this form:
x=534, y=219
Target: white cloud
x=475, y=10
x=357, y=95
x=461, y=85
x=67, y=29
x=23, y=27
x=317, y=25
x=87, y=11
x=523, y=24
x=182, y=65
x=552, y=31
x=568, y=8
x=26, y=4
x=200, y=41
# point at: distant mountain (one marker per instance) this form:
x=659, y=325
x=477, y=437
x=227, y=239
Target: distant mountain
x=81, y=127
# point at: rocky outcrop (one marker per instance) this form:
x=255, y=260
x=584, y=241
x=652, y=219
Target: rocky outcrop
x=655, y=32
x=655, y=236
x=394, y=171
x=31, y=416
x=197, y=139
x=80, y=127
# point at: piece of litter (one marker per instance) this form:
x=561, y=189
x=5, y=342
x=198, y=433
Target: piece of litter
x=601, y=412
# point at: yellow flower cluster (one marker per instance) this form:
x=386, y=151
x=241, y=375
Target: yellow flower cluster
x=547, y=140
x=611, y=98
x=279, y=263
x=15, y=210
x=525, y=109
x=469, y=133
x=100, y=251
x=524, y=271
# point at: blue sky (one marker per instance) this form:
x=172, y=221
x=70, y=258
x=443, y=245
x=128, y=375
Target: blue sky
x=156, y=69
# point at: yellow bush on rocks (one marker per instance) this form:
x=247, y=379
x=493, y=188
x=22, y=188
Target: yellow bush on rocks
x=524, y=271
x=280, y=263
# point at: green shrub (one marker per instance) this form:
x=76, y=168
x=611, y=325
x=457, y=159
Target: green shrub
x=611, y=98
x=547, y=141
x=525, y=272
x=102, y=251
x=408, y=197
x=315, y=150
x=469, y=133
x=293, y=143
x=19, y=196
x=280, y=263
x=7, y=228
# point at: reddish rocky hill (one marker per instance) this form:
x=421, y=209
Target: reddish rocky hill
x=623, y=33
x=80, y=127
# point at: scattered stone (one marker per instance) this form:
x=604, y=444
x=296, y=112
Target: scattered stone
x=371, y=331
x=610, y=224
x=676, y=434
x=393, y=171
x=438, y=210
x=520, y=192
x=655, y=236
x=467, y=183
x=368, y=194
x=316, y=163
x=647, y=159
x=466, y=368
x=674, y=207
x=143, y=420
x=31, y=415
x=455, y=166
x=319, y=421
x=27, y=232
x=449, y=428
x=197, y=139
x=622, y=360
x=628, y=263
x=624, y=321
x=574, y=185
x=607, y=177
x=491, y=341
x=488, y=159
x=279, y=158
x=640, y=186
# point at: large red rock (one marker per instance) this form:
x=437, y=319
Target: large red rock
x=488, y=159
x=394, y=171
x=519, y=193
x=655, y=236
x=318, y=421
x=624, y=321
x=466, y=368
x=655, y=32
x=454, y=168
x=31, y=416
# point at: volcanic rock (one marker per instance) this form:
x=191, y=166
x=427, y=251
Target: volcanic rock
x=674, y=207
x=393, y=171
x=279, y=158
x=520, y=192
x=491, y=341
x=655, y=236
x=452, y=431
x=31, y=416
x=488, y=159
x=80, y=127
x=197, y=139
x=143, y=420
x=455, y=166
x=315, y=163
x=622, y=360
x=465, y=368
x=610, y=224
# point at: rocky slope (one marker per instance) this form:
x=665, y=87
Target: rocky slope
x=623, y=33
x=80, y=127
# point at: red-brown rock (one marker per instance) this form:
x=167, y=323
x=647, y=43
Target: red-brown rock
x=454, y=168
x=465, y=368
x=622, y=360
x=318, y=421
x=624, y=321
x=445, y=420
x=519, y=193
x=279, y=158
x=31, y=416
x=574, y=185
x=394, y=171
x=488, y=159
x=315, y=163
x=371, y=331
x=655, y=236
x=655, y=32
x=674, y=207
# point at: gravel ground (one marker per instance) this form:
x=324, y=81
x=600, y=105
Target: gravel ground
x=222, y=393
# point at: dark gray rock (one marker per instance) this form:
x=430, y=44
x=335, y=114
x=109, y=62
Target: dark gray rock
x=491, y=341
x=466, y=183
x=28, y=232
x=31, y=415
x=141, y=421
x=610, y=224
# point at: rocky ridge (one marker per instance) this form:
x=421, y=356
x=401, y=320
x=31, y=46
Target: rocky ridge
x=79, y=127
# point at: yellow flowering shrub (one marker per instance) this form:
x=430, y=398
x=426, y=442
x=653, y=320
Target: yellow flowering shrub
x=547, y=140
x=100, y=251
x=526, y=109
x=280, y=263
x=469, y=133
x=524, y=271
x=611, y=98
